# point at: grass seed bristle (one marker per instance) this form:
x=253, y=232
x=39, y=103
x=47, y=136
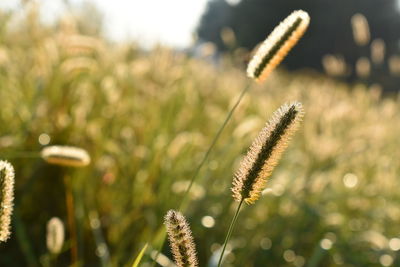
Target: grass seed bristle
x=181, y=240
x=265, y=152
x=6, y=198
x=273, y=50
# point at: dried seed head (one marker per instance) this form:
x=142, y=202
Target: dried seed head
x=181, y=239
x=360, y=27
x=265, y=152
x=55, y=235
x=6, y=198
x=66, y=156
x=272, y=51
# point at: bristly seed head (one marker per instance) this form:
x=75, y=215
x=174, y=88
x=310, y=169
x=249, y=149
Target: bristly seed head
x=273, y=50
x=265, y=152
x=66, y=156
x=181, y=240
x=6, y=198
x=55, y=235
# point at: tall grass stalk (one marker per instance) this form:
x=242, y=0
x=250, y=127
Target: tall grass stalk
x=183, y=203
x=20, y=154
x=262, y=156
x=230, y=230
x=23, y=240
x=69, y=199
x=95, y=225
x=268, y=56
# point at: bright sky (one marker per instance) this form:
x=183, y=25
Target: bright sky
x=170, y=22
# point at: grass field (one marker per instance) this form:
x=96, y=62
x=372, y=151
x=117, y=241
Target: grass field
x=147, y=117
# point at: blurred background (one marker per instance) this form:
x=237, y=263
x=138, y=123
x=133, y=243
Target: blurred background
x=143, y=86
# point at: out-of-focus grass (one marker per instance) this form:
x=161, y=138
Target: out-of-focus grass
x=146, y=118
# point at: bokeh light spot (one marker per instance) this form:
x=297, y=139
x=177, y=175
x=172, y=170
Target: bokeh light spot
x=289, y=255
x=208, y=221
x=326, y=244
x=386, y=260
x=299, y=261
x=350, y=180
x=394, y=244
x=44, y=139
x=265, y=243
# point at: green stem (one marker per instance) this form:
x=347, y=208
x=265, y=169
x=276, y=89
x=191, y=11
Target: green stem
x=23, y=240
x=20, y=154
x=69, y=199
x=99, y=238
x=159, y=249
x=230, y=230
x=182, y=204
x=214, y=141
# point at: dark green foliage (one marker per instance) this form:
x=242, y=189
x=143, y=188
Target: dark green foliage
x=329, y=32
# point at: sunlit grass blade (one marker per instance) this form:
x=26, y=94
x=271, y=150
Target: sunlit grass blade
x=140, y=256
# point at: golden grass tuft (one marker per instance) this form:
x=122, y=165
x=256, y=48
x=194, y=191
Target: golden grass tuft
x=272, y=51
x=265, y=152
x=6, y=198
x=181, y=240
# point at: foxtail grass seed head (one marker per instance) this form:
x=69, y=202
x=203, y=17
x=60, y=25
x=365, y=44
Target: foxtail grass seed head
x=265, y=152
x=272, y=51
x=6, y=198
x=55, y=235
x=66, y=156
x=359, y=24
x=181, y=240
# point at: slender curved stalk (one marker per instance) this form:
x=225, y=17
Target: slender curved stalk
x=164, y=237
x=182, y=204
x=23, y=239
x=69, y=198
x=214, y=141
x=20, y=154
x=99, y=238
x=230, y=230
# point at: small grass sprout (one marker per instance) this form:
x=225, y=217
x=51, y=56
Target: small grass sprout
x=274, y=49
x=6, y=198
x=66, y=156
x=181, y=240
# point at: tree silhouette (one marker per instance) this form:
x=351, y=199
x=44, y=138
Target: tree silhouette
x=330, y=30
